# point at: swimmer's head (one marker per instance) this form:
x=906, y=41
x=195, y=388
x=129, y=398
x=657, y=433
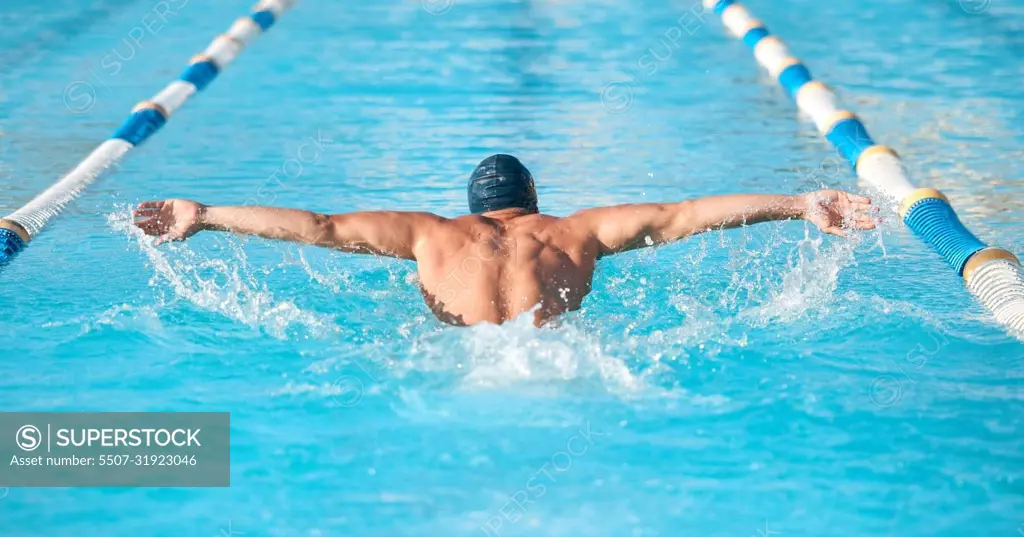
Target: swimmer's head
x=501, y=182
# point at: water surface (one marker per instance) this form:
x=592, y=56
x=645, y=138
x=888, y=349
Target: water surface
x=767, y=381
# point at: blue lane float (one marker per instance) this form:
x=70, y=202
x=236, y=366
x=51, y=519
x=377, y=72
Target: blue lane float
x=794, y=77
x=754, y=35
x=934, y=220
x=850, y=137
x=200, y=73
x=993, y=275
x=141, y=125
x=264, y=19
x=10, y=244
x=18, y=228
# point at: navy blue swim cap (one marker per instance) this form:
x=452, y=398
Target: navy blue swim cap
x=501, y=182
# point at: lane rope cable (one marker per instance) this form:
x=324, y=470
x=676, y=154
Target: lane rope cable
x=21, y=226
x=993, y=275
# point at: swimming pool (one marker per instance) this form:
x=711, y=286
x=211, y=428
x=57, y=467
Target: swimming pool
x=765, y=381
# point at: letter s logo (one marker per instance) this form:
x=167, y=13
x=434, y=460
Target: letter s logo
x=29, y=438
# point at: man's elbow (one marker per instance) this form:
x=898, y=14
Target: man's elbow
x=324, y=229
x=683, y=221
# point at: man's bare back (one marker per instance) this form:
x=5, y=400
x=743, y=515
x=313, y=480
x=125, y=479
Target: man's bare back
x=506, y=258
x=482, y=269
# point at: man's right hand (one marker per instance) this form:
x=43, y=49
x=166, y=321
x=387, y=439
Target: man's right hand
x=171, y=220
x=835, y=211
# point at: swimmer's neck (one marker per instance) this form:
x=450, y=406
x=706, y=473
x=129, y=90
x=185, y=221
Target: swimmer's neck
x=505, y=215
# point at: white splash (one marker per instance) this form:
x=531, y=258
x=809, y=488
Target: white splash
x=226, y=287
x=489, y=356
x=810, y=283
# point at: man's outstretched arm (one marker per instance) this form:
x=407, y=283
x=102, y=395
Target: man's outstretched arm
x=627, y=227
x=389, y=233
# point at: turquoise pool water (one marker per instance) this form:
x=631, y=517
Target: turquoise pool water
x=766, y=381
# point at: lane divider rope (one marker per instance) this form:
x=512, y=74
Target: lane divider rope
x=993, y=275
x=21, y=226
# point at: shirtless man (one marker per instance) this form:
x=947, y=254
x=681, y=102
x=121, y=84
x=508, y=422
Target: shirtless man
x=506, y=258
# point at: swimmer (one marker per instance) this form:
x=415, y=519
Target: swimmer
x=506, y=257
